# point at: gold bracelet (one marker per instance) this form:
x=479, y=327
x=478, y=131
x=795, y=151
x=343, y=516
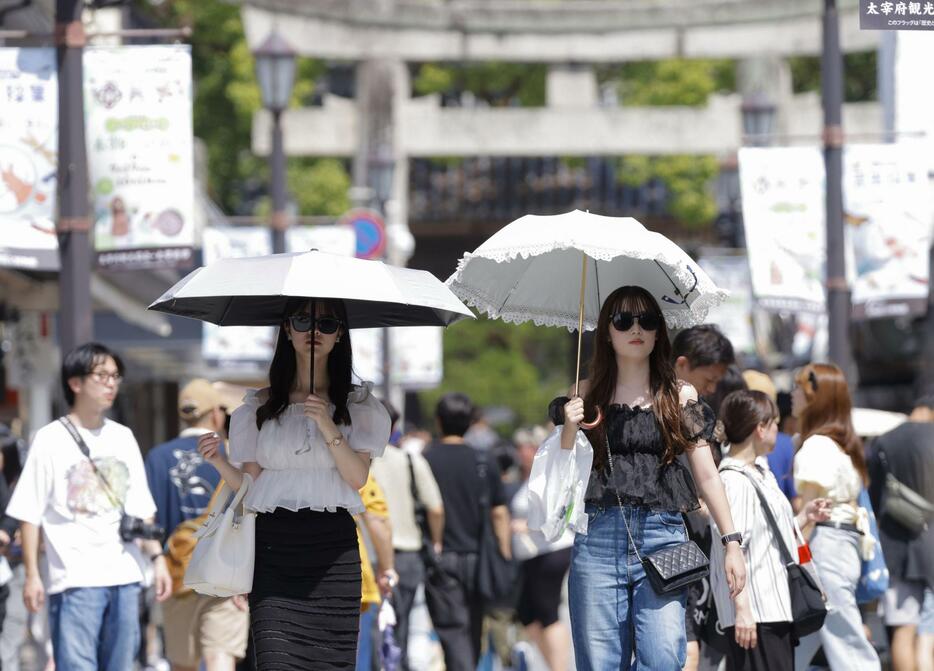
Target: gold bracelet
x=334, y=442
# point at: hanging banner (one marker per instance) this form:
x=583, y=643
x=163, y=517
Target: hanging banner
x=734, y=315
x=783, y=216
x=887, y=215
x=887, y=224
x=896, y=15
x=140, y=154
x=28, y=158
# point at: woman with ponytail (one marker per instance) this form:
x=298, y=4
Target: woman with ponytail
x=830, y=463
x=637, y=491
x=308, y=452
x=757, y=621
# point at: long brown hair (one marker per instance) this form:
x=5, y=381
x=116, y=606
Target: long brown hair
x=666, y=402
x=828, y=411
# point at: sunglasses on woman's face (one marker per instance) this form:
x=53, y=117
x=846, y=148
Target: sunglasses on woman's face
x=303, y=323
x=623, y=321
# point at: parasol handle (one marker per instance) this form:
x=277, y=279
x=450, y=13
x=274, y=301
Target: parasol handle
x=580, y=341
x=314, y=328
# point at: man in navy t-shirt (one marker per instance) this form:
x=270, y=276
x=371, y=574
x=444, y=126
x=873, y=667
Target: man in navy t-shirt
x=181, y=482
x=197, y=627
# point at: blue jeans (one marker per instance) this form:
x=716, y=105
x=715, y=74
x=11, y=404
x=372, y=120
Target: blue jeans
x=618, y=621
x=95, y=628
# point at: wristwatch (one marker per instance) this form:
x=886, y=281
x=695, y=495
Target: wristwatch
x=729, y=538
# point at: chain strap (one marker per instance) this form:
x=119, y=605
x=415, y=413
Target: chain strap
x=619, y=501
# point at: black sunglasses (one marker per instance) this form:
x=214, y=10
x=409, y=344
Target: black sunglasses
x=623, y=321
x=303, y=323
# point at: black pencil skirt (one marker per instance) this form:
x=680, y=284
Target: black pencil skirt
x=305, y=603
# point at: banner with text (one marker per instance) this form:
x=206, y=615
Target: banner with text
x=887, y=223
x=140, y=154
x=896, y=15
x=28, y=158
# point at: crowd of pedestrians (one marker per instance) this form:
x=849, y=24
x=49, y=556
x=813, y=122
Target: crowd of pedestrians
x=354, y=511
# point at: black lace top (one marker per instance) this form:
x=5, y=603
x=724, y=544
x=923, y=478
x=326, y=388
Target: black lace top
x=637, y=451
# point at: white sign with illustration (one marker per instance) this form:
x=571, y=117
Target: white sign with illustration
x=140, y=153
x=887, y=224
x=887, y=213
x=28, y=158
x=783, y=215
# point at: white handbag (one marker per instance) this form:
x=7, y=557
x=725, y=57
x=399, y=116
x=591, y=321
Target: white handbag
x=222, y=561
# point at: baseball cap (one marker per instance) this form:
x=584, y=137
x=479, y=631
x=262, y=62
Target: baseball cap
x=757, y=381
x=197, y=398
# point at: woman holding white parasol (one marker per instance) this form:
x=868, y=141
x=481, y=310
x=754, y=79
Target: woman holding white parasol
x=636, y=489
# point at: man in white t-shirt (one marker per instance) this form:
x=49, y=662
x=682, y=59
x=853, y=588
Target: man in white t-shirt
x=94, y=576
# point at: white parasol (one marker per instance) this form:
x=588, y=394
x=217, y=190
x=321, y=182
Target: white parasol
x=557, y=270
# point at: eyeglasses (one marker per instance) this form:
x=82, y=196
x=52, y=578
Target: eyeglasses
x=303, y=323
x=103, y=377
x=623, y=321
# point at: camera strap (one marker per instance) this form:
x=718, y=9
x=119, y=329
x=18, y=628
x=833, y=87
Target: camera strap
x=79, y=441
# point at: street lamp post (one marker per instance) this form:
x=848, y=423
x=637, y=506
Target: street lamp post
x=381, y=169
x=838, y=295
x=758, y=118
x=73, y=225
x=275, y=71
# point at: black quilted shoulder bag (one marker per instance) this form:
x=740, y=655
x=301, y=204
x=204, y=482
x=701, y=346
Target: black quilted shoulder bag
x=672, y=568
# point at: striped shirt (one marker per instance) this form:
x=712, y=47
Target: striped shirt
x=766, y=577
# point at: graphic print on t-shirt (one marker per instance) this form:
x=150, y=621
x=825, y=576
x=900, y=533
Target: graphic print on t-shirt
x=185, y=479
x=86, y=493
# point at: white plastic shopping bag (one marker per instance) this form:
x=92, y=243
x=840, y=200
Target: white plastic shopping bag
x=557, y=486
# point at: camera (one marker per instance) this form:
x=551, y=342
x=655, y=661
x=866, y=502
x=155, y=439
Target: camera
x=132, y=528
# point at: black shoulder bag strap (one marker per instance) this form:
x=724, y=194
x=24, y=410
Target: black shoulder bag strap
x=767, y=509
x=79, y=441
x=482, y=474
x=420, y=512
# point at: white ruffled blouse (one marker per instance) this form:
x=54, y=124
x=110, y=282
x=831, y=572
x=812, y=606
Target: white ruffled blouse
x=298, y=469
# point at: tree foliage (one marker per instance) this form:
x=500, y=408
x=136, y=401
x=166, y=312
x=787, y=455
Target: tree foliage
x=860, y=79
x=496, y=84
x=498, y=364
x=226, y=98
x=684, y=83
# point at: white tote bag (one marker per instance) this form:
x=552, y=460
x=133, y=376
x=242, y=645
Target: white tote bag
x=222, y=561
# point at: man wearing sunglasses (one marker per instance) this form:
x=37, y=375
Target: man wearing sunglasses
x=78, y=501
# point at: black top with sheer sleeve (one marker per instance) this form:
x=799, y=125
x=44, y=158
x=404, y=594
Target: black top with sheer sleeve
x=637, y=448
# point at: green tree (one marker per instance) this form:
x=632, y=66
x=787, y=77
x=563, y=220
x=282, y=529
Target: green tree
x=860, y=78
x=497, y=364
x=497, y=84
x=684, y=83
x=226, y=98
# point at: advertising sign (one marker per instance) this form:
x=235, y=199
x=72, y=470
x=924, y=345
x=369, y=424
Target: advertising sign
x=887, y=225
x=28, y=158
x=875, y=15
x=140, y=154
x=783, y=215
x=887, y=215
